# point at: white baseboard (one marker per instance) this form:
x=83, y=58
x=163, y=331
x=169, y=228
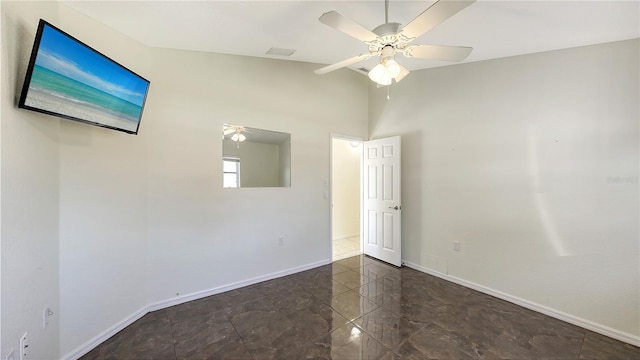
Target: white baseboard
x=220, y=289
x=99, y=339
x=91, y=344
x=587, y=324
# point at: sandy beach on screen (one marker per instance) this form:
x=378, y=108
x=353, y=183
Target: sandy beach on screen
x=48, y=101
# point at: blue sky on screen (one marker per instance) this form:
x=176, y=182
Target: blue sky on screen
x=65, y=56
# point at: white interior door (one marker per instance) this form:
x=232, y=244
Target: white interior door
x=381, y=203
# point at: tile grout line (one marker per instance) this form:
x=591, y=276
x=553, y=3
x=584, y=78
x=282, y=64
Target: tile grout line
x=237, y=333
x=173, y=337
x=584, y=339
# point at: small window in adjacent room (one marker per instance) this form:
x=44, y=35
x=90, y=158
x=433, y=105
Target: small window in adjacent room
x=231, y=172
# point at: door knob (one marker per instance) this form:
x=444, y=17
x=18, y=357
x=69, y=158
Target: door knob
x=395, y=207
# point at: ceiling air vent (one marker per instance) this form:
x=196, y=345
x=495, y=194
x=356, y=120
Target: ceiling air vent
x=280, y=52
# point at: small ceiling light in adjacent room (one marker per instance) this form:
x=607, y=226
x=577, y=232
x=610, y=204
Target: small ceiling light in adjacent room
x=238, y=137
x=280, y=52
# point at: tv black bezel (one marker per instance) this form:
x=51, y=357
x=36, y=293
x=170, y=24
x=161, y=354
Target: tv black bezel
x=27, y=81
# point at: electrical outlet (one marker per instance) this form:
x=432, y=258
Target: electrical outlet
x=24, y=347
x=11, y=355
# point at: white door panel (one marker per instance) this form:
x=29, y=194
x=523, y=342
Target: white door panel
x=382, y=238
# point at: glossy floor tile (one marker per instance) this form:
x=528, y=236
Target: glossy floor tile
x=355, y=308
x=345, y=248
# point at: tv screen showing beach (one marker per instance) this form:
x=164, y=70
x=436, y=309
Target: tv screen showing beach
x=68, y=79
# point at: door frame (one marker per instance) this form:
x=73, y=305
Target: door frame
x=330, y=186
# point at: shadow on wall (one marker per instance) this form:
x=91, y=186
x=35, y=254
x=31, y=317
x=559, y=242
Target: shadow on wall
x=412, y=163
x=23, y=40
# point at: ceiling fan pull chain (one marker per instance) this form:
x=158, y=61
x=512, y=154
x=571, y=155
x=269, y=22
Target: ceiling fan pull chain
x=388, y=90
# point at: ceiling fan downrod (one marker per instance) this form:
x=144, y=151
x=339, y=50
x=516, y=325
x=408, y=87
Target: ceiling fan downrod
x=386, y=11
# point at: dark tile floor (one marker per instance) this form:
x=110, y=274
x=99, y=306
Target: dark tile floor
x=356, y=308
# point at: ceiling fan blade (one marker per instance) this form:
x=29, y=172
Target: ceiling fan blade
x=347, y=26
x=343, y=63
x=433, y=16
x=438, y=52
x=403, y=72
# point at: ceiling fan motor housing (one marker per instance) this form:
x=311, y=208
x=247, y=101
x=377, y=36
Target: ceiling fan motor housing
x=389, y=34
x=391, y=28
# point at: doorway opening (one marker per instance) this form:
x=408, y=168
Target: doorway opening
x=346, y=165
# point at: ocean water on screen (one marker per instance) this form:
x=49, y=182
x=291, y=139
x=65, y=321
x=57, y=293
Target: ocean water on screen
x=55, y=84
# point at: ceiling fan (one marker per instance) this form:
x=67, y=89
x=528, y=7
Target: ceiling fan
x=389, y=39
x=237, y=132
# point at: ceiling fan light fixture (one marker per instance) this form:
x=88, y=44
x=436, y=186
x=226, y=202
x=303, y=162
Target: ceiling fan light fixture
x=379, y=76
x=386, y=71
x=238, y=137
x=393, y=68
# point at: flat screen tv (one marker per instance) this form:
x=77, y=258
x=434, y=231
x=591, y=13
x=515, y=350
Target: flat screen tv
x=69, y=79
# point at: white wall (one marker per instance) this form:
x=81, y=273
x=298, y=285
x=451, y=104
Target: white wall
x=74, y=234
x=202, y=236
x=103, y=242
x=345, y=191
x=29, y=193
x=102, y=205
x=531, y=162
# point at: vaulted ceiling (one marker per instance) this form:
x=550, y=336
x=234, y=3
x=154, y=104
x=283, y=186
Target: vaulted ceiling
x=494, y=29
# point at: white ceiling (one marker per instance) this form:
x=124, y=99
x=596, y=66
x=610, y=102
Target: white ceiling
x=494, y=29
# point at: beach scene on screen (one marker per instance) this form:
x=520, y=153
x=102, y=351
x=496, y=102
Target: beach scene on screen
x=71, y=79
